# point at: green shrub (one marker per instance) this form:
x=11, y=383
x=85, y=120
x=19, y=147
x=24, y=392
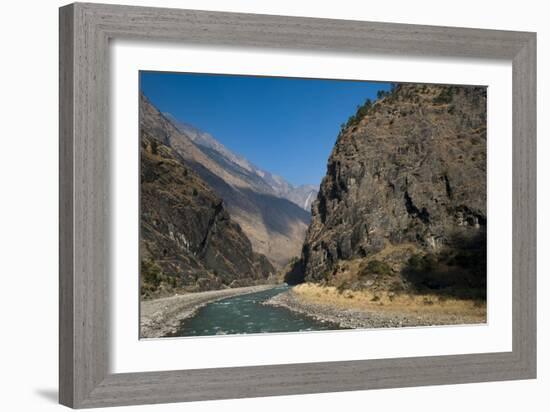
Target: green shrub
x=151, y=273
x=422, y=263
x=375, y=267
x=381, y=93
x=154, y=146
x=378, y=267
x=445, y=96
x=152, y=277
x=361, y=112
x=415, y=262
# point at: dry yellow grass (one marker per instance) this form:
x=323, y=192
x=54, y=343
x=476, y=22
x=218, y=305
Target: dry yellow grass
x=389, y=302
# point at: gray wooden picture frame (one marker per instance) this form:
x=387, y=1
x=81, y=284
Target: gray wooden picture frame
x=85, y=31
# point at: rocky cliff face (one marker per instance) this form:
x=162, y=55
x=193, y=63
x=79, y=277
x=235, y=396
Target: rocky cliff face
x=406, y=180
x=188, y=238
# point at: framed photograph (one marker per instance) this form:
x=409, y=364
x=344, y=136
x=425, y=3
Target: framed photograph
x=256, y=205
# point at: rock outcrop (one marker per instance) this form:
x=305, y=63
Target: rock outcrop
x=188, y=238
x=406, y=180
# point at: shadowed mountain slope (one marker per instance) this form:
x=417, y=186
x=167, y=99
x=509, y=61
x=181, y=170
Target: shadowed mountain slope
x=187, y=237
x=275, y=226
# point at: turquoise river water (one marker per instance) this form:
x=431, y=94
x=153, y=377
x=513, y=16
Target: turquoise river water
x=246, y=314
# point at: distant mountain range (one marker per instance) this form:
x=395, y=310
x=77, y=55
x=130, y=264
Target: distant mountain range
x=261, y=180
x=273, y=214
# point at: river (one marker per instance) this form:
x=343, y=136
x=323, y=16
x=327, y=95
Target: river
x=246, y=314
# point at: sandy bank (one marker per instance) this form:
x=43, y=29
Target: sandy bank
x=160, y=317
x=353, y=314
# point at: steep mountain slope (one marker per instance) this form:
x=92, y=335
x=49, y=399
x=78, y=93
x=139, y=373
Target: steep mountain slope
x=403, y=203
x=261, y=180
x=187, y=236
x=275, y=226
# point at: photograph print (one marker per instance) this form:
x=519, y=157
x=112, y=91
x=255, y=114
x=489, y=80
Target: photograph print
x=276, y=205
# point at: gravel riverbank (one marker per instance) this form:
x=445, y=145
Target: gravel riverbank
x=365, y=319
x=159, y=317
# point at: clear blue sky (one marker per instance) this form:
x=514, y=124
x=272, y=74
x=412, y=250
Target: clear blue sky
x=286, y=126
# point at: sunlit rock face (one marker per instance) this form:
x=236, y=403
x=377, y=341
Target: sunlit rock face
x=410, y=171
